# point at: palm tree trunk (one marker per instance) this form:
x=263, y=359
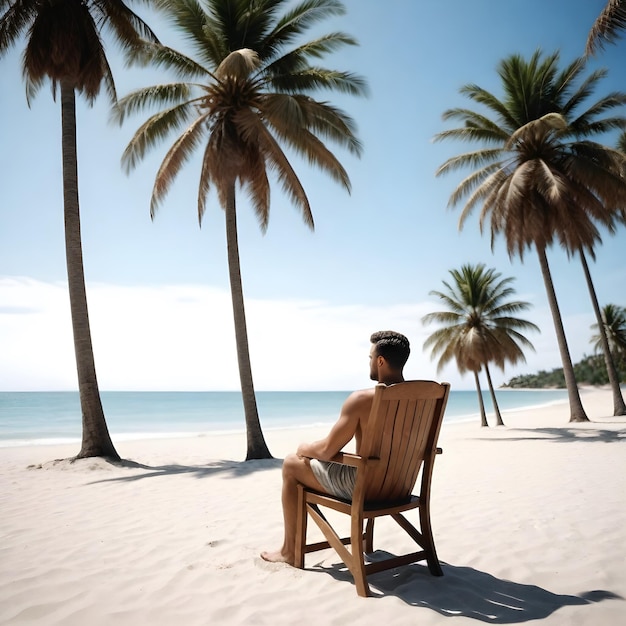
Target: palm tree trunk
x=619, y=408
x=483, y=415
x=577, y=412
x=496, y=408
x=257, y=448
x=96, y=440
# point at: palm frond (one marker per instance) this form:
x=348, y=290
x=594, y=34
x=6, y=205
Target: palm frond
x=149, y=97
x=286, y=175
x=312, y=79
x=319, y=155
x=584, y=90
x=476, y=185
x=475, y=126
x=197, y=27
x=157, y=56
x=480, y=158
x=205, y=182
x=153, y=131
x=607, y=26
x=126, y=25
x=487, y=99
x=290, y=115
x=176, y=157
x=258, y=187
x=33, y=85
x=109, y=84
x=297, y=59
x=296, y=21
x=15, y=22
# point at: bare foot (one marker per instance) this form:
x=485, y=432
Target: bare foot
x=276, y=557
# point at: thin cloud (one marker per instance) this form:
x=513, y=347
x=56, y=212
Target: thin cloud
x=181, y=337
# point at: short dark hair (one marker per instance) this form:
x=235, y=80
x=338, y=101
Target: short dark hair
x=392, y=346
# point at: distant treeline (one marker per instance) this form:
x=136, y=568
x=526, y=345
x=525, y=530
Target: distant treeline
x=590, y=371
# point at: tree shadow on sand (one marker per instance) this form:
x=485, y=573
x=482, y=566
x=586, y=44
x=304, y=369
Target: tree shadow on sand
x=233, y=469
x=560, y=434
x=466, y=592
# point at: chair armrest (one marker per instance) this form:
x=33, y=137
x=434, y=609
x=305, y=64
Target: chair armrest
x=347, y=458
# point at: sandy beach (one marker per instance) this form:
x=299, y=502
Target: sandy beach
x=528, y=520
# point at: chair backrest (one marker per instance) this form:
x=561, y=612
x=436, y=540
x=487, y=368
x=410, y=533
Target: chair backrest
x=401, y=434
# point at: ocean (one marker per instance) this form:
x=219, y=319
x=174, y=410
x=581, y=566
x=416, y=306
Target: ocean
x=39, y=418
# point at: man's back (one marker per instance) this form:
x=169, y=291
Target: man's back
x=362, y=407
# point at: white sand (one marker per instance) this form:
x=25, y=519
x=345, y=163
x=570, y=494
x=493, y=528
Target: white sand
x=528, y=520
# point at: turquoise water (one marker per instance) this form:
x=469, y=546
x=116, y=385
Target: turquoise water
x=28, y=418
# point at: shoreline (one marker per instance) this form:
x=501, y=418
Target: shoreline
x=269, y=424
x=553, y=414
x=527, y=520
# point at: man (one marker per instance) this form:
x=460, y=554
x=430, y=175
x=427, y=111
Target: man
x=311, y=465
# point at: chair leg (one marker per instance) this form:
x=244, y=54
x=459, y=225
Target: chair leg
x=358, y=561
x=300, y=529
x=429, y=543
x=424, y=539
x=368, y=543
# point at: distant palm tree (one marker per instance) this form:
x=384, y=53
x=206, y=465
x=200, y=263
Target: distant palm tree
x=479, y=326
x=606, y=27
x=621, y=142
x=537, y=178
x=244, y=94
x=619, y=407
x=63, y=44
x=614, y=321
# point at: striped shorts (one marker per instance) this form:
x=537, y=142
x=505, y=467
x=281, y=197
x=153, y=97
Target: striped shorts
x=336, y=478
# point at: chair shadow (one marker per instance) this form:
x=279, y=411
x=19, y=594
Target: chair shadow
x=467, y=592
x=233, y=468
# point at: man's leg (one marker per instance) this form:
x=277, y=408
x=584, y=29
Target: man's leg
x=296, y=470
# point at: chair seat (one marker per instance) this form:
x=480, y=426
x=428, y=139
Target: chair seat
x=370, y=509
x=387, y=508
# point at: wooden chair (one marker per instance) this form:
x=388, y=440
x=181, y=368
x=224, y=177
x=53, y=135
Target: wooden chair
x=400, y=439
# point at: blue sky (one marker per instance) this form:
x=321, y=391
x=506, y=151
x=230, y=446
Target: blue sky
x=158, y=290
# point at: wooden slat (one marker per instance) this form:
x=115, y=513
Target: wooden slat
x=394, y=481
x=323, y=545
x=395, y=561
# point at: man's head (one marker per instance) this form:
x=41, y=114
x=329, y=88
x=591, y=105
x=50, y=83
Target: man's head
x=389, y=353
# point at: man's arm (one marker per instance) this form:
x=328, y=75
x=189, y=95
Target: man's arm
x=342, y=431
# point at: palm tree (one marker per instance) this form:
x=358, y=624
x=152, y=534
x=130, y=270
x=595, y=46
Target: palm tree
x=244, y=93
x=619, y=407
x=556, y=121
x=614, y=322
x=63, y=44
x=606, y=27
x=538, y=178
x=479, y=326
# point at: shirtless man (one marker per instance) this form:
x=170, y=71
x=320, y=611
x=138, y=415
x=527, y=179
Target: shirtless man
x=311, y=465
